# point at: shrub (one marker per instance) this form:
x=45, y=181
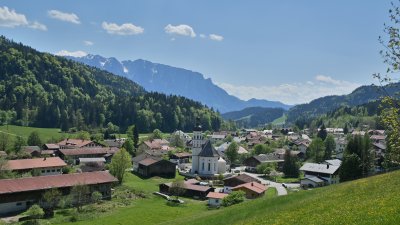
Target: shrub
x=234, y=198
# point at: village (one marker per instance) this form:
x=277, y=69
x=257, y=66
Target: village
x=218, y=169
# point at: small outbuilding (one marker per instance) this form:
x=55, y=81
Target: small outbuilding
x=251, y=190
x=215, y=198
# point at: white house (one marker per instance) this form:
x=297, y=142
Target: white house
x=215, y=198
x=328, y=173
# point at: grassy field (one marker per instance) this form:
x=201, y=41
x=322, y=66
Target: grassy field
x=373, y=200
x=150, y=210
x=44, y=133
x=280, y=121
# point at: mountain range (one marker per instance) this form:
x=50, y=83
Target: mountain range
x=254, y=116
x=166, y=79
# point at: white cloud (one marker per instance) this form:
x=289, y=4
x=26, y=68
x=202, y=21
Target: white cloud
x=124, y=29
x=74, y=54
x=182, y=29
x=10, y=18
x=67, y=17
x=202, y=35
x=216, y=37
x=293, y=93
x=88, y=43
x=37, y=26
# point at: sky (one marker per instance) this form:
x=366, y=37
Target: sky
x=289, y=50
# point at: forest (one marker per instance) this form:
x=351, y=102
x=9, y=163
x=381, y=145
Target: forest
x=42, y=90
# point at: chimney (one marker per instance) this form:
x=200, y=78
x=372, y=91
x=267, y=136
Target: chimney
x=44, y=159
x=252, y=184
x=327, y=166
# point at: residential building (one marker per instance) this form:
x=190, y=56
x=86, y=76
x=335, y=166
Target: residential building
x=17, y=195
x=251, y=190
x=256, y=160
x=192, y=189
x=180, y=157
x=41, y=166
x=150, y=167
x=328, y=173
x=234, y=181
x=75, y=154
x=215, y=198
x=34, y=151
x=78, y=143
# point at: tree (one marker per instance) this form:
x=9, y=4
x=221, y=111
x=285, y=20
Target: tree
x=50, y=200
x=135, y=137
x=80, y=195
x=128, y=145
x=390, y=115
x=228, y=138
x=261, y=149
x=18, y=143
x=4, y=171
x=350, y=168
x=290, y=165
x=177, y=141
x=96, y=197
x=177, y=188
x=120, y=162
x=233, y=198
x=35, y=212
x=322, y=132
x=346, y=129
x=83, y=135
x=4, y=141
x=316, y=150
x=232, y=152
x=330, y=146
x=34, y=139
x=157, y=134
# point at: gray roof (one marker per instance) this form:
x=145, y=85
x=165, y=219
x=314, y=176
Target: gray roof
x=319, y=168
x=380, y=145
x=315, y=179
x=334, y=162
x=271, y=157
x=84, y=160
x=208, y=150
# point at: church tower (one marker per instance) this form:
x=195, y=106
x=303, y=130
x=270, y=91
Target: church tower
x=197, y=145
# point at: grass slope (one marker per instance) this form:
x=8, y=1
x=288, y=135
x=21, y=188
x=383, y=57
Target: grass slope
x=44, y=133
x=373, y=200
x=280, y=121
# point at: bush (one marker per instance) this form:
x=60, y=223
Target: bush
x=96, y=197
x=233, y=198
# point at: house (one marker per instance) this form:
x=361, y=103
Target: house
x=192, y=189
x=378, y=138
x=256, y=160
x=281, y=152
x=17, y=195
x=361, y=133
x=182, y=135
x=150, y=167
x=328, y=173
x=215, y=198
x=222, y=148
x=216, y=137
x=114, y=143
x=302, y=145
x=333, y=162
x=312, y=181
x=155, y=147
x=341, y=144
x=75, y=154
x=54, y=147
x=43, y=166
x=237, y=180
x=78, y=143
x=251, y=189
x=180, y=157
x=34, y=151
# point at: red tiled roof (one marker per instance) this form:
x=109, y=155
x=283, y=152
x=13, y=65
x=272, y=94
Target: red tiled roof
x=156, y=143
x=25, y=164
x=253, y=186
x=75, y=142
x=88, y=151
x=216, y=195
x=54, y=181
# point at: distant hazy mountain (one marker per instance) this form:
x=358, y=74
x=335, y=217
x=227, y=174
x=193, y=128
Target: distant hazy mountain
x=177, y=81
x=254, y=116
x=359, y=96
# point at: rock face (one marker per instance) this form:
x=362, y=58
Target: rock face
x=177, y=81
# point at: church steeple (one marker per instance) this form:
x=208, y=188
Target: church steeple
x=197, y=127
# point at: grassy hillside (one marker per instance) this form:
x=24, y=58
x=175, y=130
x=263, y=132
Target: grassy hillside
x=373, y=200
x=44, y=133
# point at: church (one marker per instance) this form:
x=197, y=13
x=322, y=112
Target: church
x=205, y=159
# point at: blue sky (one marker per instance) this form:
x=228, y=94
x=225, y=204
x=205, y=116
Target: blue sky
x=292, y=51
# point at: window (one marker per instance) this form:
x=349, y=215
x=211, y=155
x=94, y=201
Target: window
x=43, y=171
x=202, y=166
x=216, y=200
x=53, y=171
x=209, y=166
x=48, y=171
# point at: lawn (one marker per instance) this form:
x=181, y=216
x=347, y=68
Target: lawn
x=373, y=200
x=150, y=210
x=280, y=121
x=44, y=133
